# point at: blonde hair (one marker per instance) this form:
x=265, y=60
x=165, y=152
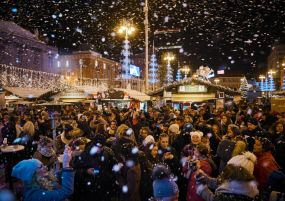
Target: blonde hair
x=29, y=128
x=45, y=182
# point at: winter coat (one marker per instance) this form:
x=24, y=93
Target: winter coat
x=232, y=191
x=191, y=192
x=132, y=180
x=224, y=152
x=265, y=165
x=38, y=194
x=100, y=185
x=9, y=132
x=280, y=151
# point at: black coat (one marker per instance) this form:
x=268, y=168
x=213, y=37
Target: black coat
x=232, y=197
x=102, y=185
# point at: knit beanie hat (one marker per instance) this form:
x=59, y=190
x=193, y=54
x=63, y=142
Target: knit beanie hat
x=164, y=188
x=246, y=160
x=26, y=169
x=148, y=139
x=197, y=133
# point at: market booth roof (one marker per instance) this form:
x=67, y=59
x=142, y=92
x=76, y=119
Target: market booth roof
x=135, y=94
x=26, y=92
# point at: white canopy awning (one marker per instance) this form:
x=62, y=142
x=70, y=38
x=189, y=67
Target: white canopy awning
x=135, y=94
x=26, y=92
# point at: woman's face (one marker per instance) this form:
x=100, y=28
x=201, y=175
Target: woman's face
x=279, y=128
x=195, y=139
x=42, y=171
x=257, y=148
x=197, y=154
x=215, y=129
x=154, y=151
x=224, y=119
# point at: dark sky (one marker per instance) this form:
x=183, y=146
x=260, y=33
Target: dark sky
x=237, y=34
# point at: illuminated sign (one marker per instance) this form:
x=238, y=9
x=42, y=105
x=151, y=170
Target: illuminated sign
x=193, y=89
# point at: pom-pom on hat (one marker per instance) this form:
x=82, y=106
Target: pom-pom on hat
x=26, y=169
x=246, y=160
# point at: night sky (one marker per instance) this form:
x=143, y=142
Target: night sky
x=237, y=34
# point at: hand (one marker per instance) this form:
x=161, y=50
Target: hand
x=168, y=156
x=67, y=155
x=90, y=171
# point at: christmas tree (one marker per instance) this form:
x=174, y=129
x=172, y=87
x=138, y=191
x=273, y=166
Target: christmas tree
x=271, y=83
x=126, y=60
x=244, y=87
x=153, y=69
x=178, y=75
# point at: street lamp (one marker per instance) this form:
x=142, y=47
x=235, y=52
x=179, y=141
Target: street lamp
x=146, y=23
x=185, y=70
x=81, y=72
x=216, y=81
x=169, y=57
x=127, y=29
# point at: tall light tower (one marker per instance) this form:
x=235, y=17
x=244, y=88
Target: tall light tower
x=262, y=87
x=169, y=76
x=146, y=43
x=127, y=29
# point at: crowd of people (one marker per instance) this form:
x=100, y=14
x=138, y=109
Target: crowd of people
x=163, y=153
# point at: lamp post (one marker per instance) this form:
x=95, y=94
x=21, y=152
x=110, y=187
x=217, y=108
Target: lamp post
x=81, y=72
x=185, y=70
x=146, y=44
x=169, y=57
x=216, y=81
x=127, y=29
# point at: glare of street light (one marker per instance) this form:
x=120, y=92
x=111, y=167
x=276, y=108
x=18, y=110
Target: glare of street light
x=126, y=28
x=216, y=81
x=261, y=77
x=185, y=69
x=169, y=57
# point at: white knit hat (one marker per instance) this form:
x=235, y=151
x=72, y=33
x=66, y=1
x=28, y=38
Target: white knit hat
x=246, y=160
x=148, y=139
x=197, y=133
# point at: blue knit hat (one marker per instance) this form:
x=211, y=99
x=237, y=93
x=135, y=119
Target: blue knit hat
x=164, y=188
x=26, y=169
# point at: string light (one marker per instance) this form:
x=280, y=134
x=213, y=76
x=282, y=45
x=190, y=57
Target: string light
x=12, y=76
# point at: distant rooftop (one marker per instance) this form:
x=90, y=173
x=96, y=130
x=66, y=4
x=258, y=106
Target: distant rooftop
x=13, y=28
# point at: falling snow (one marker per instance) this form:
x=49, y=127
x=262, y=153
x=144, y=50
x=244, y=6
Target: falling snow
x=210, y=31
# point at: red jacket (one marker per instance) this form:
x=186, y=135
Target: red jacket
x=265, y=165
x=191, y=189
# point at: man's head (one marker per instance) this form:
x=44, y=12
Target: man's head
x=164, y=141
x=252, y=124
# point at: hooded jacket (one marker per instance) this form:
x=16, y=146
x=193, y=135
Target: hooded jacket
x=232, y=190
x=61, y=194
